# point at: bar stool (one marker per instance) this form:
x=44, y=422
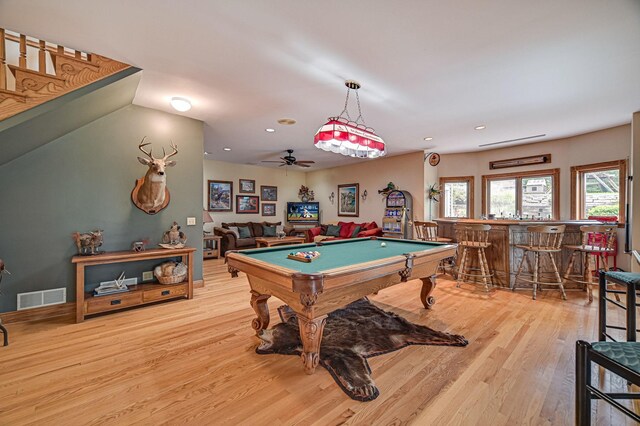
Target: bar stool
x=428, y=231
x=597, y=240
x=542, y=239
x=470, y=238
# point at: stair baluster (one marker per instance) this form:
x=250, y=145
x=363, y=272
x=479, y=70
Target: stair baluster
x=22, y=62
x=3, y=61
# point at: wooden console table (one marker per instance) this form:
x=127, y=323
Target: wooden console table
x=88, y=304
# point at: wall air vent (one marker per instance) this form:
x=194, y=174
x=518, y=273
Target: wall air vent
x=514, y=140
x=36, y=299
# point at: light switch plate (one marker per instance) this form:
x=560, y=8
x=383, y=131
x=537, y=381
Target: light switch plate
x=147, y=275
x=191, y=221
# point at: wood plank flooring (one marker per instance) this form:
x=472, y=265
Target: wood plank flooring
x=194, y=362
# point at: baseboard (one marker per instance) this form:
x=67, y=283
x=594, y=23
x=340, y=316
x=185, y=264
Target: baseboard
x=36, y=314
x=198, y=283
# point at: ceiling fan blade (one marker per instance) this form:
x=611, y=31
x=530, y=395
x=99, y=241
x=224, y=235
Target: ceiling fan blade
x=306, y=161
x=302, y=165
x=271, y=161
x=283, y=164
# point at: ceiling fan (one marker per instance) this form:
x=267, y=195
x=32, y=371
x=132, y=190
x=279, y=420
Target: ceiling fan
x=290, y=160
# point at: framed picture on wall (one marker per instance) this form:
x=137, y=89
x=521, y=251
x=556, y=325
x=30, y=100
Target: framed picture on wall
x=349, y=199
x=220, y=196
x=268, y=209
x=247, y=204
x=247, y=186
x=269, y=193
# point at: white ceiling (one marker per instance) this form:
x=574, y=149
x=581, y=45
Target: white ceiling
x=428, y=68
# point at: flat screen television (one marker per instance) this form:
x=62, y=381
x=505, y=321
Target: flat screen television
x=300, y=212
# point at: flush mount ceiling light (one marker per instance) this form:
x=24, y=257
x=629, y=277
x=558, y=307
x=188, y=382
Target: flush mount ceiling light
x=180, y=104
x=482, y=127
x=428, y=138
x=348, y=137
x=226, y=148
x=269, y=130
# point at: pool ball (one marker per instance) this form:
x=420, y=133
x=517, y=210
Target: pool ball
x=383, y=244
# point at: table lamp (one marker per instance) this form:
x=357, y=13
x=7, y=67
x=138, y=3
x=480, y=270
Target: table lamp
x=206, y=218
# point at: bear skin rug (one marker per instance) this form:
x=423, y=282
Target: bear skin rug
x=351, y=335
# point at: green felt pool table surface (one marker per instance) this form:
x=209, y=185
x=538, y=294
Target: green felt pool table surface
x=338, y=254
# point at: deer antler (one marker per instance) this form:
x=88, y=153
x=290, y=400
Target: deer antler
x=142, y=145
x=175, y=151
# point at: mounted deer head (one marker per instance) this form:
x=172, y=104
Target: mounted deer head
x=151, y=194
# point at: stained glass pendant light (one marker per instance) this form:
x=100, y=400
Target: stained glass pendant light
x=345, y=136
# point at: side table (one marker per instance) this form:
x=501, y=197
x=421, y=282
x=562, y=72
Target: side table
x=211, y=250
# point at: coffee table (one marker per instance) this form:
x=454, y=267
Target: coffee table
x=275, y=241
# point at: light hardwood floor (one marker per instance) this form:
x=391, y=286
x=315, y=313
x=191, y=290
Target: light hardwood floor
x=194, y=362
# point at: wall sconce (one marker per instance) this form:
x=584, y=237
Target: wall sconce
x=332, y=197
x=364, y=195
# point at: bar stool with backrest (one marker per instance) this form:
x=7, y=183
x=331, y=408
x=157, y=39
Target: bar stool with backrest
x=598, y=241
x=542, y=239
x=428, y=231
x=473, y=240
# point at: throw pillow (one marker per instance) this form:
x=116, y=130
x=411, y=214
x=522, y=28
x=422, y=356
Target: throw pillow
x=333, y=230
x=244, y=232
x=345, y=229
x=279, y=228
x=235, y=231
x=356, y=231
x=268, y=231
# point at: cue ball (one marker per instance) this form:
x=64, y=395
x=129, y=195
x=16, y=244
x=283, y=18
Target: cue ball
x=383, y=244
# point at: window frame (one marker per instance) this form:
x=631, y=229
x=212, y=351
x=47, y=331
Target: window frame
x=470, y=191
x=577, y=197
x=555, y=182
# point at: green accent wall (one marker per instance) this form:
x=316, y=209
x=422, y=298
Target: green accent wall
x=83, y=181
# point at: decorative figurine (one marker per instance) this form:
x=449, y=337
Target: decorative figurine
x=173, y=238
x=116, y=286
x=88, y=242
x=390, y=187
x=139, y=246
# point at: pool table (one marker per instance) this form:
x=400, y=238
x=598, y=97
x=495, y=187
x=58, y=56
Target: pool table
x=346, y=270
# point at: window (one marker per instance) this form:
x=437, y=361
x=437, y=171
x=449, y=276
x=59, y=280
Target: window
x=457, y=196
x=598, y=190
x=532, y=194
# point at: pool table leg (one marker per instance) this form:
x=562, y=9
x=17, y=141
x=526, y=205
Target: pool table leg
x=311, y=335
x=259, y=304
x=428, y=284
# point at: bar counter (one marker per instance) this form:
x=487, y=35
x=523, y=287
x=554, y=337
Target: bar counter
x=503, y=257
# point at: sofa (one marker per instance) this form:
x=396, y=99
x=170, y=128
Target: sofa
x=231, y=241
x=346, y=230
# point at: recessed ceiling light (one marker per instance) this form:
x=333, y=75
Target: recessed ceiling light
x=269, y=130
x=482, y=127
x=226, y=148
x=180, y=104
x=428, y=138
x=287, y=121
x=206, y=153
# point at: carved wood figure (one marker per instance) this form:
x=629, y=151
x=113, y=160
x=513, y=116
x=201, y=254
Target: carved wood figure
x=151, y=194
x=88, y=243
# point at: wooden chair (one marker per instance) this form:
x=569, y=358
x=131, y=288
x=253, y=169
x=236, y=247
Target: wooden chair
x=428, y=231
x=542, y=239
x=473, y=238
x=597, y=241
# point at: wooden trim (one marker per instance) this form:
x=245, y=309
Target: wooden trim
x=577, y=201
x=555, y=179
x=42, y=313
x=520, y=161
x=469, y=180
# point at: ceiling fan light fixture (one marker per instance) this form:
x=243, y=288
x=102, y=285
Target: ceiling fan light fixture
x=351, y=138
x=180, y=104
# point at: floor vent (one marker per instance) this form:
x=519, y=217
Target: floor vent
x=36, y=299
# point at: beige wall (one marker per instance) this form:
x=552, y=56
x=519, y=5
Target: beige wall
x=287, y=181
x=604, y=145
x=406, y=171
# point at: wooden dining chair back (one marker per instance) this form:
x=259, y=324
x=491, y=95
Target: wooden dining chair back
x=426, y=231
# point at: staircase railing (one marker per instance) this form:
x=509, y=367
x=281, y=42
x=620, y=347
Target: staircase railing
x=33, y=71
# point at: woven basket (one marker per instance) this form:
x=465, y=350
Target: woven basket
x=174, y=279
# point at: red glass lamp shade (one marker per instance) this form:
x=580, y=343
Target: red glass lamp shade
x=345, y=137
